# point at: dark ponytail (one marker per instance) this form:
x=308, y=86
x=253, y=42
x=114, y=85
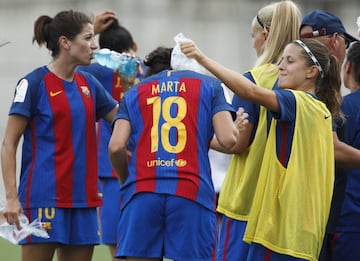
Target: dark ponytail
x=48, y=30
x=158, y=60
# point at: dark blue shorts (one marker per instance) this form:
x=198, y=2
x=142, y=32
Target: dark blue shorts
x=231, y=245
x=110, y=210
x=68, y=226
x=156, y=225
x=346, y=246
x=258, y=252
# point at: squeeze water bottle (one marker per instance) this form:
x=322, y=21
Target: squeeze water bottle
x=124, y=64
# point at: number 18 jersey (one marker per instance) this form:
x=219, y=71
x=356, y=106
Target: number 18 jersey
x=171, y=127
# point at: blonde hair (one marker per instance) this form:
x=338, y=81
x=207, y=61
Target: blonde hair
x=282, y=20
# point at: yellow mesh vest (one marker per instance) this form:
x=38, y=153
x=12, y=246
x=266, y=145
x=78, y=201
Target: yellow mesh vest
x=238, y=188
x=291, y=205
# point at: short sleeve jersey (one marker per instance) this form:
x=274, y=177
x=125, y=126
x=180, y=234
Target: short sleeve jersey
x=59, y=165
x=171, y=127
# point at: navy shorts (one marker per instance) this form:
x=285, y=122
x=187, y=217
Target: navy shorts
x=346, y=246
x=110, y=210
x=157, y=225
x=258, y=252
x=68, y=226
x=231, y=245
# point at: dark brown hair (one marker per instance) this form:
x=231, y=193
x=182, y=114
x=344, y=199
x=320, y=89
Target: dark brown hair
x=158, y=60
x=48, y=30
x=116, y=38
x=353, y=56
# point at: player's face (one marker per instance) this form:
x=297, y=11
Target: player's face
x=83, y=46
x=293, y=71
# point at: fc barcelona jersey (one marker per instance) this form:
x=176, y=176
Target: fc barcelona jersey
x=59, y=165
x=171, y=128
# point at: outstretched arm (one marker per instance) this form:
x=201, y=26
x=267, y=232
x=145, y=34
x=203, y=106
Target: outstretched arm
x=239, y=84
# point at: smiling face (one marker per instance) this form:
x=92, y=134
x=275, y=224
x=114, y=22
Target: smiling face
x=294, y=73
x=82, y=46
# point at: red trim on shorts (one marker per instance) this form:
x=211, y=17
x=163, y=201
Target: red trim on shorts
x=333, y=245
x=267, y=254
x=226, y=239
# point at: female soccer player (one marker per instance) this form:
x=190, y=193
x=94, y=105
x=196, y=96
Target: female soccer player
x=55, y=109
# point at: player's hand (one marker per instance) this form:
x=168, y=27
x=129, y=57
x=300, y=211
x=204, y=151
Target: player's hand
x=103, y=21
x=241, y=119
x=12, y=211
x=190, y=49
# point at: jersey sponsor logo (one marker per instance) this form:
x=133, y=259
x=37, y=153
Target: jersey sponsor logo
x=166, y=163
x=85, y=90
x=53, y=94
x=327, y=116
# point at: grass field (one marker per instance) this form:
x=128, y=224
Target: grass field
x=10, y=252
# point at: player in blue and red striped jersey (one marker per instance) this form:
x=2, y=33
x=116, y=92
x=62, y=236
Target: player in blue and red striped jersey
x=168, y=200
x=116, y=38
x=55, y=109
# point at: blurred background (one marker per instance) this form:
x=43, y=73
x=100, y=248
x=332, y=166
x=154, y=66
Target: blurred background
x=221, y=28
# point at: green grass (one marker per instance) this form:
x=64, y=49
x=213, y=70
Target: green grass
x=10, y=252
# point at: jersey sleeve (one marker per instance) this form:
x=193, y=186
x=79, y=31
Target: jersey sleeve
x=252, y=109
x=287, y=104
x=219, y=101
x=26, y=93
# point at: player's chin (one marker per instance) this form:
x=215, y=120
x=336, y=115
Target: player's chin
x=85, y=61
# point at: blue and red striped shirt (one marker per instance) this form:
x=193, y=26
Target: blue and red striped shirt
x=171, y=128
x=59, y=164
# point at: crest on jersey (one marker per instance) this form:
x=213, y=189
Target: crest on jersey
x=85, y=90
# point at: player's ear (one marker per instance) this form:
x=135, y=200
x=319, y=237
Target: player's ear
x=64, y=42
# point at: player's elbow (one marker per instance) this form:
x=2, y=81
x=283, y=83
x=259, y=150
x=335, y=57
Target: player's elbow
x=227, y=142
x=115, y=150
